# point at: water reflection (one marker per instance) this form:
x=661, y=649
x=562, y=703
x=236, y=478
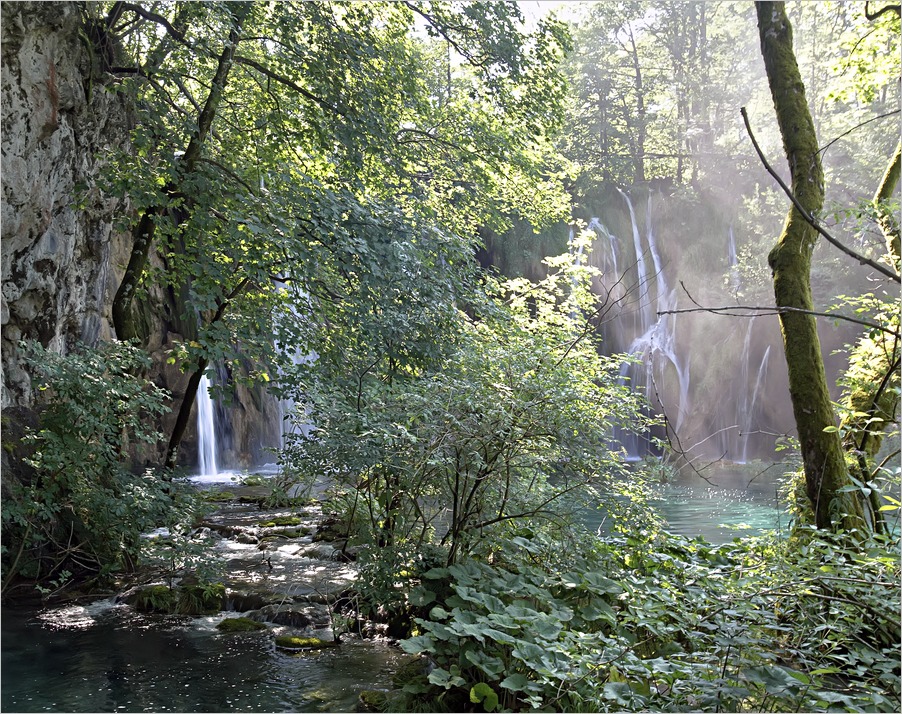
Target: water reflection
x=719, y=504
x=122, y=661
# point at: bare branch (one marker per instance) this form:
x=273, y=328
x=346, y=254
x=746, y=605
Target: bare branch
x=888, y=8
x=807, y=216
x=171, y=30
x=857, y=126
x=756, y=310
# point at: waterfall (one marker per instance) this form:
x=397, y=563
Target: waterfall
x=747, y=426
x=656, y=345
x=206, y=430
x=733, y=260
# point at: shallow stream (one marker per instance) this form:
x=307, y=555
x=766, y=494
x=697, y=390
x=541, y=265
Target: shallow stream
x=105, y=657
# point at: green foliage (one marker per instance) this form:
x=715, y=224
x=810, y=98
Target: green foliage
x=499, y=414
x=202, y=598
x=83, y=510
x=667, y=624
x=397, y=126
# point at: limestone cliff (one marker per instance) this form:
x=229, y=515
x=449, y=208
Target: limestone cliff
x=56, y=257
x=62, y=258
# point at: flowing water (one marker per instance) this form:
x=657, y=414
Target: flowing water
x=106, y=657
x=206, y=430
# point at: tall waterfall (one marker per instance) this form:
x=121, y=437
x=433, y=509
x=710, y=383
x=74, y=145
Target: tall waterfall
x=653, y=341
x=206, y=430
x=749, y=423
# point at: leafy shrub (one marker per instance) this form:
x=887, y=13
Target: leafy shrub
x=507, y=420
x=667, y=624
x=83, y=510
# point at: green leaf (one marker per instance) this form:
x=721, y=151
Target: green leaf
x=515, y=682
x=482, y=692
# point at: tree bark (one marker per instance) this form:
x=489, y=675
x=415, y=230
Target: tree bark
x=886, y=217
x=872, y=393
x=790, y=261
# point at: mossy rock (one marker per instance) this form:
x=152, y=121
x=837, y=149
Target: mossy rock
x=290, y=642
x=281, y=521
x=155, y=598
x=288, y=533
x=219, y=496
x=201, y=599
x=371, y=700
x=240, y=624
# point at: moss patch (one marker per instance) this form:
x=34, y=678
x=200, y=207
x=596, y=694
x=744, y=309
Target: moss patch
x=371, y=700
x=155, y=598
x=240, y=624
x=289, y=642
x=281, y=521
x=289, y=533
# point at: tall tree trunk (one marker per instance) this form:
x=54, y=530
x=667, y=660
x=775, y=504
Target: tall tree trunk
x=790, y=261
x=641, y=120
x=872, y=395
x=886, y=216
x=123, y=319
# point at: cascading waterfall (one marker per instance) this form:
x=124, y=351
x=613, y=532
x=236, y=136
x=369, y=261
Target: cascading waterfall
x=654, y=343
x=206, y=430
x=733, y=261
x=750, y=414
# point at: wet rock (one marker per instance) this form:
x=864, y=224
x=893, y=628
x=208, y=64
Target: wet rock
x=297, y=644
x=321, y=551
x=245, y=601
x=283, y=615
x=240, y=624
x=371, y=700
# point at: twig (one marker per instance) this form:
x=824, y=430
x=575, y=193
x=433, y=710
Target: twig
x=807, y=216
x=857, y=126
x=758, y=310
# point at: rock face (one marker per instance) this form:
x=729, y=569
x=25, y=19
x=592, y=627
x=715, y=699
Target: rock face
x=62, y=257
x=56, y=258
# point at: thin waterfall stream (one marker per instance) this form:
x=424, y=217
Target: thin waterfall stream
x=206, y=430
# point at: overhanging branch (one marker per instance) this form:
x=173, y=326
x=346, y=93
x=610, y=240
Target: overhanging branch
x=808, y=217
x=281, y=79
x=756, y=310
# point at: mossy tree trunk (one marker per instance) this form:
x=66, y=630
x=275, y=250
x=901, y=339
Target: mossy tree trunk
x=826, y=474
x=886, y=215
x=871, y=400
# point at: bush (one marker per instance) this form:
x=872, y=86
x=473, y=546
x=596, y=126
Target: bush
x=666, y=624
x=82, y=511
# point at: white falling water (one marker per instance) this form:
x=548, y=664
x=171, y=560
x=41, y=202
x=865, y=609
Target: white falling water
x=656, y=344
x=206, y=430
x=733, y=260
x=759, y=380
